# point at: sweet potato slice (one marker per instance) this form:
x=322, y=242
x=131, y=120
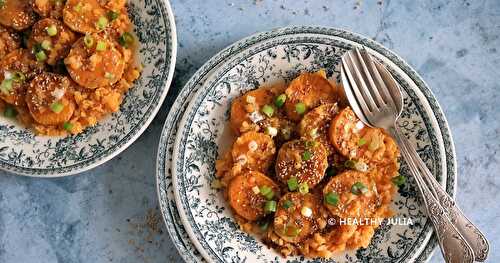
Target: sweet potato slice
x=244, y=200
x=356, y=141
x=49, y=8
x=311, y=90
x=305, y=160
x=17, y=14
x=357, y=195
x=98, y=64
x=83, y=16
x=58, y=44
x=294, y=219
x=254, y=151
x=9, y=41
x=49, y=99
x=246, y=110
x=18, y=68
x=316, y=123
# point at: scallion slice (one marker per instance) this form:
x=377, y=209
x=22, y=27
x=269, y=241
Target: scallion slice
x=293, y=184
x=268, y=110
x=399, y=180
x=332, y=198
x=270, y=206
x=41, y=56
x=68, y=126
x=101, y=46
x=56, y=107
x=306, y=156
x=358, y=188
x=102, y=23
x=112, y=15
x=300, y=108
x=51, y=30
x=6, y=86
x=304, y=188
x=46, y=45
x=280, y=100
x=88, y=40
x=126, y=39
x=287, y=204
x=267, y=192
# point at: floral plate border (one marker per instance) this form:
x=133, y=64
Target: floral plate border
x=23, y=153
x=165, y=149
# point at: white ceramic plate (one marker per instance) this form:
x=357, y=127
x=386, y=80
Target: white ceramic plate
x=265, y=58
x=22, y=152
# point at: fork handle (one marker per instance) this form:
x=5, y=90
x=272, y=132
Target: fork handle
x=453, y=245
x=469, y=231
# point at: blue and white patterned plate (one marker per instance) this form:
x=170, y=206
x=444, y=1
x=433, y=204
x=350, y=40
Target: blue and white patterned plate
x=24, y=153
x=265, y=58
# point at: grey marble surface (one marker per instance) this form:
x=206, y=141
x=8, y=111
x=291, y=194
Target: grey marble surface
x=109, y=214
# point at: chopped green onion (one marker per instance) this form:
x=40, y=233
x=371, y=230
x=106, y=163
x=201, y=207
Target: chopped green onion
x=358, y=188
x=280, y=100
x=306, y=155
x=263, y=225
x=109, y=75
x=350, y=164
x=300, y=108
x=56, y=107
x=126, y=39
x=361, y=142
x=267, y=192
x=331, y=171
x=399, y=180
x=6, y=86
x=2, y=3
x=112, y=15
x=270, y=206
x=10, y=112
x=306, y=211
x=78, y=8
x=88, y=40
x=311, y=144
x=40, y=56
x=271, y=131
x=304, y=188
x=51, y=30
x=46, y=45
x=102, y=23
x=293, y=184
x=314, y=133
x=268, y=110
x=287, y=204
x=68, y=126
x=332, y=198
x=101, y=46
x=18, y=76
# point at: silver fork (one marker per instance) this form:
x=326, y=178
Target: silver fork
x=376, y=98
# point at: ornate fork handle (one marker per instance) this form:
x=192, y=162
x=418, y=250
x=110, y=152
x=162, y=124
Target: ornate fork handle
x=453, y=245
x=469, y=231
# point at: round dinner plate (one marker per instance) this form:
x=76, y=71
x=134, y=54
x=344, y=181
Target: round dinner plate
x=22, y=152
x=194, y=142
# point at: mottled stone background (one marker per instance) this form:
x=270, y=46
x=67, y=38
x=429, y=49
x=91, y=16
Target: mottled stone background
x=100, y=215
